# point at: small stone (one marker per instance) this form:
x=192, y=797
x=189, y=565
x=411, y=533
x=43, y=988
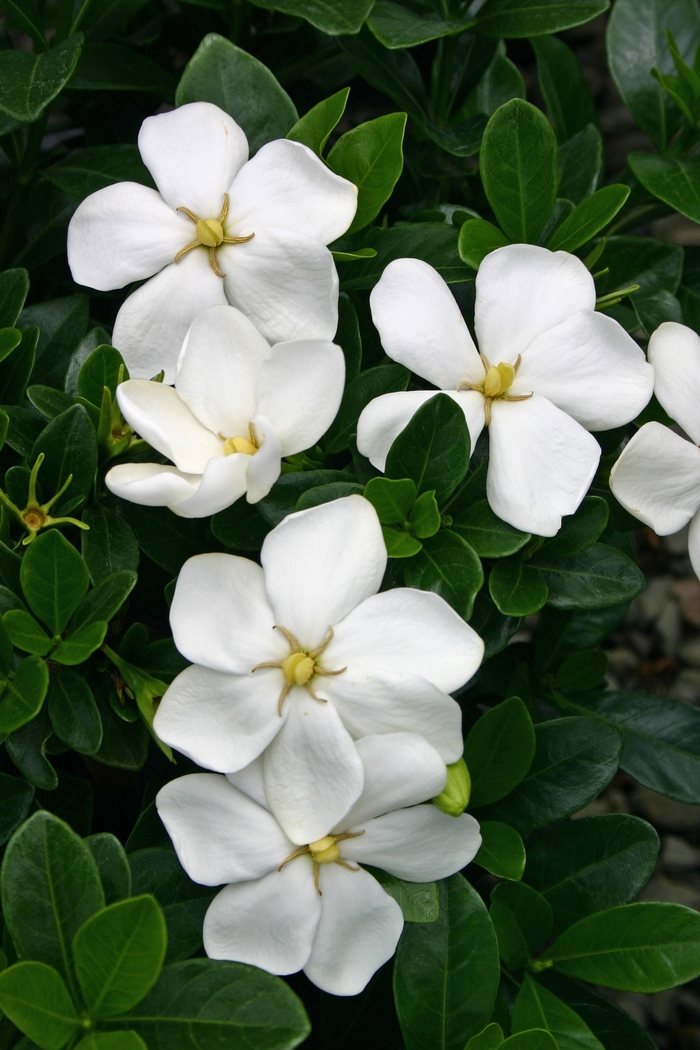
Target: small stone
x=689, y=652
x=596, y=808
x=623, y=661
x=686, y=686
x=663, y=1006
x=688, y=594
x=677, y=544
x=665, y=812
x=650, y=603
x=661, y=888
x=634, y=1003
x=679, y=854
x=669, y=624
x=642, y=642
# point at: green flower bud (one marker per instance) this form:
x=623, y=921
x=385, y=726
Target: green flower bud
x=454, y=797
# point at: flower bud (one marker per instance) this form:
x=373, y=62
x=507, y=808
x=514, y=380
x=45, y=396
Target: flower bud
x=454, y=797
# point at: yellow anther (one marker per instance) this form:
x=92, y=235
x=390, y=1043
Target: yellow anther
x=324, y=851
x=507, y=374
x=297, y=669
x=493, y=383
x=210, y=232
x=239, y=444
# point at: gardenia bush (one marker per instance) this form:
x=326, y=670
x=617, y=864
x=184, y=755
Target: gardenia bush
x=301, y=416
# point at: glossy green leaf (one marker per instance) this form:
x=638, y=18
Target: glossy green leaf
x=593, y=579
x=643, y=947
x=461, y=140
x=446, y=972
x=501, y=82
x=580, y=164
x=35, y=998
x=425, y=517
x=101, y=369
x=477, y=238
x=157, y=870
x=612, y=1026
x=394, y=73
x=651, y=311
x=384, y=379
x=54, y=579
x=434, y=243
x=73, y=712
x=119, y=954
x=395, y=26
x=676, y=181
x=112, y=67
x=502, y=851
x=581, y=671
x=579, y=530
x=16, y=370
x=489, y=1039
x=26, y=747
x=391, y=498
x=50, y=887
x=348, y=337
x=166, y=539
x=433, y=449
x=400, y=544
x=108, y=546
x=419, y=901
x=448, y=566
x=25, y=633
x=516, y=589
x=29, y=81
x=105, y=600
x=88, y=170
x=499, y=751
x=584, y=866
x=9, y=339
x=486, y=533
x=645, y=261
x=48, y=401
x=535, y=1007
x=334, y=17
x=519, y=169
x=112, y=864
x=14, y=287
x=371, y=157
x=314, y=128
x=25, y=694
x=243, y=87
x=6, y=654
x=535, y=1039
x=25, y=15
x=78, y=645
x=63, y=324
x=326, y=493
x=591, y=216
x=120, y=1040
x=15, y=799
x=69, y=445
x=563, y=86
x=522, y=919
x=574, y=760
x=518, y=18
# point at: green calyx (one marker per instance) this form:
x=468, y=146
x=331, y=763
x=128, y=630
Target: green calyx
x=35, y=516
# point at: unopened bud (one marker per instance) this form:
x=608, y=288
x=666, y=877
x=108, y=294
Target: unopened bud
x=454, y=797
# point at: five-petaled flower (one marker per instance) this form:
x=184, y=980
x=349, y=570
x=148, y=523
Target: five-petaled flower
x=285, y=907
x=238, y=406
x=550, y=370
x=301, y=657
x=221, y=228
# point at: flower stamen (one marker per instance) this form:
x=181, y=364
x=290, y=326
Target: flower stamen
x=498, y=379
x=211, y=234
x=300, y=666
x=324, y=851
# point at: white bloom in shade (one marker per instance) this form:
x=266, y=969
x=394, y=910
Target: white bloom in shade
x=657, y=477
x=301, y=657
x=238, y=406
x=219, y=229
x=549, y=370
x=287, y=907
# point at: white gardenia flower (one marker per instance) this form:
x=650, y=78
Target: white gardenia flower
x=220, y=228
x=238, y=406
x=657, y=477
x=548, y=370
x=286, y=907
x=301, y=657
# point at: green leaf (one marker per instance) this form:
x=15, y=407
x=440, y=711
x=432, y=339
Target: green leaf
x=78, y=645
x=661, y=739
x=636, y=42
x=25, y=15
x=202, y=1002
x=463, y=139
x=6, y=654
x=499, y=751
x=394, y=73
x=676, y=181
x=535, y=1039
x=29, y=81
x=158, y=871
x=563, y=87
x=419, y=901
x=314, y=128
x=400, y=544
x=101, y=369
x=446, y=972
x=88, y=170
x=69, y=444
x=26, y=633
x=348, y=337
x=112, y=864
x=334, y=17
x=580, y=164
x=35, y=998
x=15, y=799
x=433, y=449
x=325, y=493
x=519, y=18
x=105, y=600
x=10, y=564
x=592, y=215
x=581, y=671
x=111, y=67
x=574, y=760
x=522, y=919
x=449, y=567
x=489, y=1039
x=371, y=157
x=395, y=26
x=119, y=954
x=109, y=545
x=48, y=401
x=25, y=694
x=516, y=589
x=16, y=370
x=121, y=1040
x=593, y=579
x=384, y=379
x=425, y=516
x=14, y=288
x=501, y=82
x=486, y=533
x=613, y=1027
x=243, y=87
x=434, y=243
x=54, y=579
x=519, y=169
x=63, y=324
x=643, y=947
x=579, y=530
x=502, y=851
x=27, y=748
x=50, y=887
x=535, y=1007
x=652, y=311
x=651, y=264
x=9, y=339
x=391, y=498
x=590, y=864
x=477, y=239
x=166, y=539
x=73, y=712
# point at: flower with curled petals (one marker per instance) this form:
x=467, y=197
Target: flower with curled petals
x=286, y=907
x=238, y=406
x=549, y=369
x=300, y=656
x=220, y=228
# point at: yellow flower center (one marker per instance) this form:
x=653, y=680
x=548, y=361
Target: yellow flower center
x=324, y=851
x=248, y=446
x=299, y=667
x=211, y=234
x=497, y=381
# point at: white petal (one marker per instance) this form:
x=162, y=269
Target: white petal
x=251, y=782
x=401, y=769
x=286, y=283
x=657, y=478
x=299, y=389
x=407, y=631
x=359, y=929
x=371, y=701
x=541, y=464
x=384, y=418
x=218, y=368
x=193, y=154
x=421, y=326
x=220, y=616
x=220, y=721
x=219, y=834
x=313, y=773
x=522, y=291
x=264, y=468
x=322, y=562
x=589, y=368
x=161, y=417
x=674, y=351
x=269, y=923
x=694, y=544
x=418, y=844
x=153, y=322
x=222, y=483
x=287, y=186
x=123, y=233
x=151, y=484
